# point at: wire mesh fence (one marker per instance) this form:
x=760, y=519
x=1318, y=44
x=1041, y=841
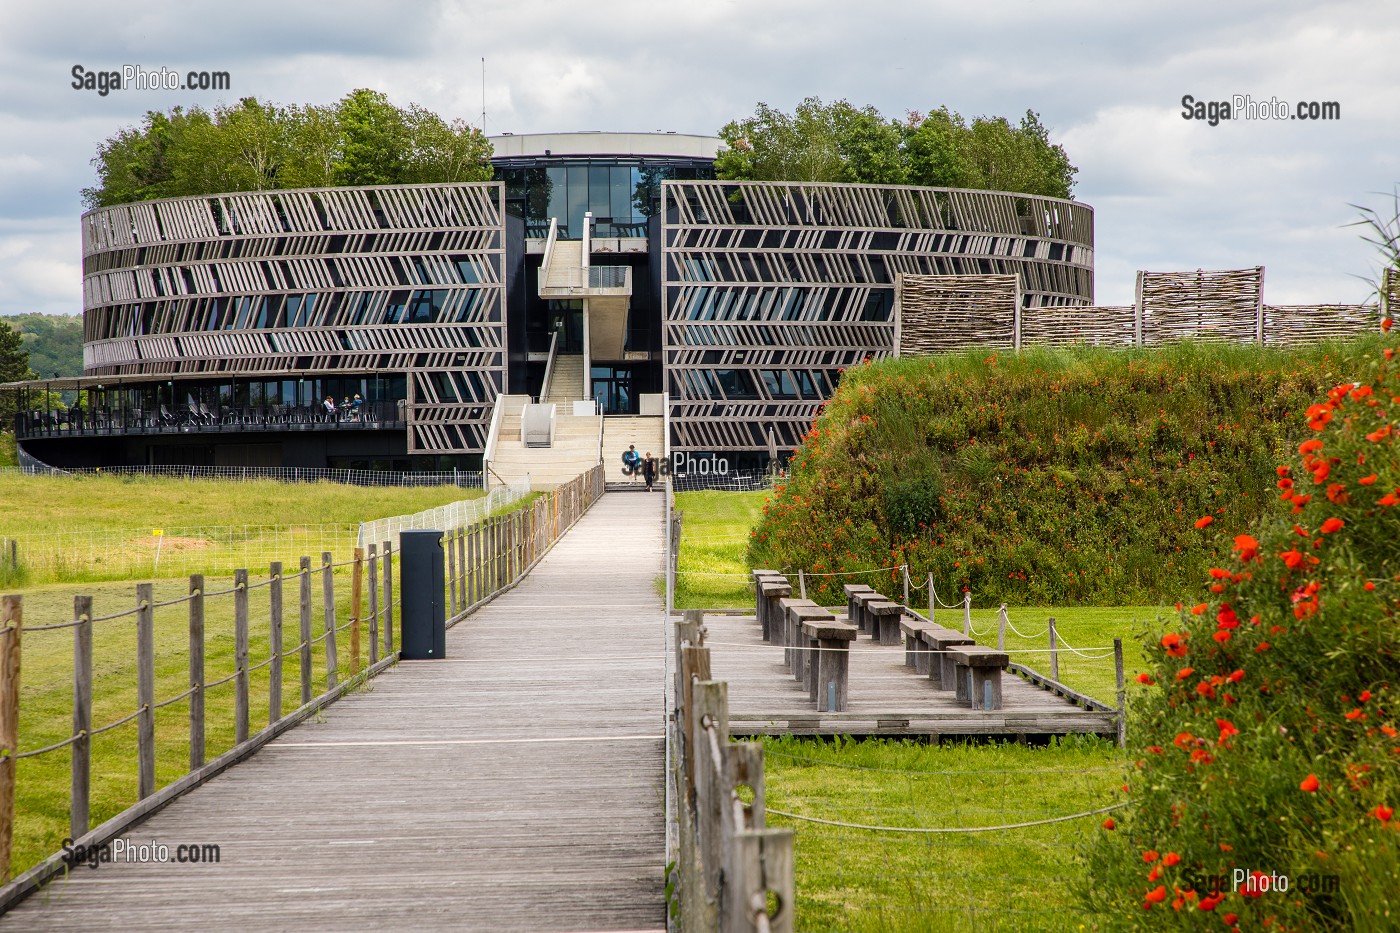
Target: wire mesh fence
x=462, y=478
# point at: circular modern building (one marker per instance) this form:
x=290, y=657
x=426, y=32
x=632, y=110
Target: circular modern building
x=384, y=327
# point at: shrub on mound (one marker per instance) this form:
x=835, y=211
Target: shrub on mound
x=1267, y=751
x=1045, y=476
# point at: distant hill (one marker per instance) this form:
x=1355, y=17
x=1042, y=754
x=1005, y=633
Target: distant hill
x=54, y=342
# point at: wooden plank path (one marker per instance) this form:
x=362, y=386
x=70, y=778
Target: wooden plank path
x=886, y=698
x=516, y=785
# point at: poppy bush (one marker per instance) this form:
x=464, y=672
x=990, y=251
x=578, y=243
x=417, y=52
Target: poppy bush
x=1045, y=476
x=1266, y=746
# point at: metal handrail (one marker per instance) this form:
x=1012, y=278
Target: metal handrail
x=497, y=415
x=549, y=365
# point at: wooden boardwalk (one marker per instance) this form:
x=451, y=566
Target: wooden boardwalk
x=886, y=698
x=516, y=785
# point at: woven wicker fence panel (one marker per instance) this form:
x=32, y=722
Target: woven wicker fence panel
x=1390, y=292
x=939, y=313
x=1295, y=325
x=1202, y=305
x=1099, y=326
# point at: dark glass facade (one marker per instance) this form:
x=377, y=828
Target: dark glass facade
x=621, y=193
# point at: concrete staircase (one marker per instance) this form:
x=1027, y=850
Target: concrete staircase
x=574, y=451
x=645, y=431
x=566, y=382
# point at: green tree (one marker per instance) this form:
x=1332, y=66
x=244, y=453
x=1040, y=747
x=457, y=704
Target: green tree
x=315, y=142
x=843, y=143
x=439, y=151
x=376, y=140
x=14, y=367
x=54, y=342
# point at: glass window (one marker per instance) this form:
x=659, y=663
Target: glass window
x=578, y=200
x=620, y=196
x=558, y=194
x=736, y=383
x=779, y=383
x=599, y=193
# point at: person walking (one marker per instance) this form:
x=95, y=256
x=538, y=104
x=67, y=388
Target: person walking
x=631, y=462
x=649, y=470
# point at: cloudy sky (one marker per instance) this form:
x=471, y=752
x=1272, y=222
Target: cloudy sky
x=1106, y=77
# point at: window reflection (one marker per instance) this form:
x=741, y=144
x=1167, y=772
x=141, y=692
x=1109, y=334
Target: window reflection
x=621, y=194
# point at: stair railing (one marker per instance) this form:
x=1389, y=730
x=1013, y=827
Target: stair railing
x=549, y=366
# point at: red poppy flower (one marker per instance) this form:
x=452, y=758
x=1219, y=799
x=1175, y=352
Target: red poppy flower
x=1332, y=524
x=1230, y=919
x=1383, y=813
x=1183, y=739
x=1390, y=499
x=1204, y=520
x=1379, y=434
x=1309, y=446
x=1282, y=470
x=1337, y=493
x=1222, y=636
x=1109, y=824
x=1301, y=532
x=1318, y=416
x=1227, y=729
x=1236, y=677
x=1309, y=783
x=1369, y=586
x=1150, y=856
x=1320, y=471
x=1199, y=609
x=1354, y=714
x=1205, y=690
x=1219, y=573
x=1170, y=859
x=1247, y=546
x=1292, y=558
x=1387, y=324
x=1211, y=902
x=1145, y=678
x=1158, y=894
x=1367, y=480
x=1185, y=672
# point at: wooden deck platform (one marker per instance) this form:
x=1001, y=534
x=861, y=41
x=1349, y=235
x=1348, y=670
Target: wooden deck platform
x=886, y=698
x=516, y=785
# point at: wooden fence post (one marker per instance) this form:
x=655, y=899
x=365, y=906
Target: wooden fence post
x=1054, y=655
x=81, y=775
x=473, y=584
x=11, y=625
x=967, y=614
x=240, y=656
x=357, y=583
x=1001, y=628
x=328, y=604
x=906, y=584
x=196, y=671
x=388, y=599
x=145, y=693
x=1122, y=694
x=462, y=568
x=763, y=861
x=374, y=604
x=304, y=620
x=932, y=600
x=801, y=583
x=451, y=574
x=274, y=637
x=710, y=715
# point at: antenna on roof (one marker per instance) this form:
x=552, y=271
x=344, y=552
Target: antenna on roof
x=483, y=95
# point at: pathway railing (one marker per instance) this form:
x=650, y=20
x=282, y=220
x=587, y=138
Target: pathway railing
x=734, y=874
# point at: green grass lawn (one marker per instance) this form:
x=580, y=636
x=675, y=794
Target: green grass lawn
x=1012, y=879
x=714, y=564
x=103, y=527
x=46, y=691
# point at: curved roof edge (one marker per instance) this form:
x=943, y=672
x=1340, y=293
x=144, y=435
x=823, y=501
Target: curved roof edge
x=598, y=143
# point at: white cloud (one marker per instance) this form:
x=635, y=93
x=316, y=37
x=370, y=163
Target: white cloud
x=1106, y=77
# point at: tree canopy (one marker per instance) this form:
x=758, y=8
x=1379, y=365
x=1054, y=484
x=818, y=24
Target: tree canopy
x=839, y=142
x=253, y=145
x=14, y=367
x=54, y=342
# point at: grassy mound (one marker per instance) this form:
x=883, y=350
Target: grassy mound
x=1045, y=477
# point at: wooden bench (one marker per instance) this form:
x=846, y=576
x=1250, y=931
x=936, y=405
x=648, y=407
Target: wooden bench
x=916, y=654
x=769, y=592
x=883, y=616
x=865, y=621
x=781, y=626
x=941, y=669
x=799, y=657
x=979, y=675
x=761, y=613
x=828, y=671
x=853, y=613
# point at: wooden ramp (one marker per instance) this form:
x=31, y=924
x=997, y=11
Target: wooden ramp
x=516, y=785
x=885, y=697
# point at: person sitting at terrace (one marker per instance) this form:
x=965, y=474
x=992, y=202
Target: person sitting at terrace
x=355, y=404
x=329, y=405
